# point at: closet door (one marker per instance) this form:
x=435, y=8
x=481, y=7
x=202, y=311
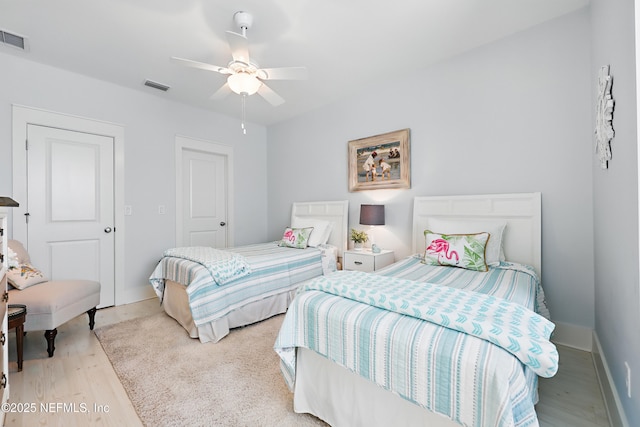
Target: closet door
x=70, y=204
x=203, y=184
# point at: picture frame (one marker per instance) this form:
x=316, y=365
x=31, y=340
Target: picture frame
x=380, y=161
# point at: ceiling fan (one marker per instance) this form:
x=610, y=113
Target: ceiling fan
x=245, y=77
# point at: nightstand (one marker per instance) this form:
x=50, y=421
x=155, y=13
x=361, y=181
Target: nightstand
x=365, y=260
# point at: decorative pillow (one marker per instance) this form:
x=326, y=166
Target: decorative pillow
x=495, y=228
x=321, y=229
x=457, y=250
x=296, y=237
x=25, y=275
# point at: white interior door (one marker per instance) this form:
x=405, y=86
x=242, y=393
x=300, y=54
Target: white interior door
x=204, y=198
x=70, y=204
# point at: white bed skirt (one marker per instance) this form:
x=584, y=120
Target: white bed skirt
x=176, y=305
x=344, y=399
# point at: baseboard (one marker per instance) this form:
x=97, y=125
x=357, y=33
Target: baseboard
x=135, y=294
x=586, y=339
x=615, y=411
x=573, y=336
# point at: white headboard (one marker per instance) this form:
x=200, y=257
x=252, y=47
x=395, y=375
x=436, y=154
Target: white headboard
x=522, y=239
x=334, y=211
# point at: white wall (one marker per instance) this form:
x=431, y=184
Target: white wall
x=512, y=116
x=151, y=124
x=615, y=190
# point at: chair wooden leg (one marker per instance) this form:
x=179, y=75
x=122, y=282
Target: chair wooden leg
x=92, y=317
x=50, y=335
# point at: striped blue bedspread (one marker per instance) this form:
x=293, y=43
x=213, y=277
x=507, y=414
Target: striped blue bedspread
x=224, y=266
x=518, y=330
x=461, y=376
x=274, y=270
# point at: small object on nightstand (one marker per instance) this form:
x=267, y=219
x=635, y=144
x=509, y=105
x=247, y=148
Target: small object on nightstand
x=375, y=249
x=366, y=260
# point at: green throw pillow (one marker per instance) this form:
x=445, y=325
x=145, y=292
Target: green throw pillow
x=296, y=237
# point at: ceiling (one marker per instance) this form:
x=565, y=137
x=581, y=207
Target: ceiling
x=346, y=45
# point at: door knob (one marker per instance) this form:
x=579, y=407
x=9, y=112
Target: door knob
x=222, y=223
x=107, y=230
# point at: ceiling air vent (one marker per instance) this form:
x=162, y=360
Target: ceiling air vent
x=13, y=40
x=156, y=85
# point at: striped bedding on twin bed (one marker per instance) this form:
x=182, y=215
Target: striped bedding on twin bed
x=514, y=282
x=274, y=270
x=462, y=377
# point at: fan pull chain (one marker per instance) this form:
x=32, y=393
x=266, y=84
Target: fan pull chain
x=244, y=101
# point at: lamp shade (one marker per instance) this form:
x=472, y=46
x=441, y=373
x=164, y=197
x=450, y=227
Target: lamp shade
x=372, y=214
x=243, y=83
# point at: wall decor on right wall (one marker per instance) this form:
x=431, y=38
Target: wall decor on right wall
x=380, y=161
x=604, y=117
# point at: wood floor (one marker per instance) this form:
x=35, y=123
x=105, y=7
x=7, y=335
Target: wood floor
x=78, y=387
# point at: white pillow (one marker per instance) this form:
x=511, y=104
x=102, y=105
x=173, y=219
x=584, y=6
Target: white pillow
x=494, y=252
x=321, y=229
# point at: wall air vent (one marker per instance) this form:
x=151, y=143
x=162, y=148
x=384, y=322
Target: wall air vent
x=13, y=40
x=156, y=85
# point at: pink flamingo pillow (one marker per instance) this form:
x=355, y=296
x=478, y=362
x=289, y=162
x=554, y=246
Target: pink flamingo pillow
x=456, y=250
x=296, y=237
x=442, y=249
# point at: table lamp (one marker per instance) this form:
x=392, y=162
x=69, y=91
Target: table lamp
x=372, y=215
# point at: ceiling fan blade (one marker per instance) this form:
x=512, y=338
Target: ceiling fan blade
x=221, y=93
x=284, y=73
x=200, y=65
x=272, y=98
x=239, y=46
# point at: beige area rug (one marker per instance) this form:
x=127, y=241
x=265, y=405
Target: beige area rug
x=174, y=380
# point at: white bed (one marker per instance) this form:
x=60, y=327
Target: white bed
x=343, y=398
x=176, y=301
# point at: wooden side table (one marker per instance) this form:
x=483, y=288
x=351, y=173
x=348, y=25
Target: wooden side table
x=17, y=313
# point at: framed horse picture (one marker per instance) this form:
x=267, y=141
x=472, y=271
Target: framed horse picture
x=380, y=161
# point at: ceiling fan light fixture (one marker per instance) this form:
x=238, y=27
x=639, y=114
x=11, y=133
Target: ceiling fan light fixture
x=243, y=75
x=243, y=83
